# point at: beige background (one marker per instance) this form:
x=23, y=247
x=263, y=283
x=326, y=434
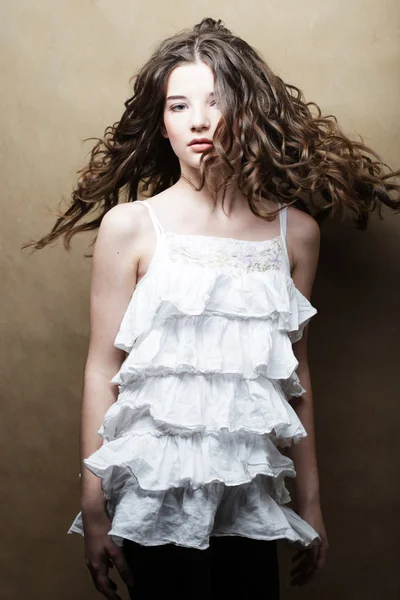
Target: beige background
x=65, y=70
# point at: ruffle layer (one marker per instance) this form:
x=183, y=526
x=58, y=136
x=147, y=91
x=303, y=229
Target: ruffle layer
x=185, y=289
x=160, y=461
x=254, y=510
x=176, y=404
x=183, y=460
x=211, y=344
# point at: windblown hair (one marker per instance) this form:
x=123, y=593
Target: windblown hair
x=286, y=154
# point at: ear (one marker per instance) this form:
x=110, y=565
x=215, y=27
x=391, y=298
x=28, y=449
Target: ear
x=163, y=131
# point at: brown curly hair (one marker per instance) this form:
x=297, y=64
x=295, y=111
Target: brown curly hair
x=287, y=154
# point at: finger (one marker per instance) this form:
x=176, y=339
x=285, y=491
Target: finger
x=122, y=566
x=107, y=587
x=305, y=557
x=304, y=565
x=297, y=556
x=303, y=576
x=315, y=552
x=300, y=553
x=308, y=571
x=103, y=583
x=301, y=567
x=302, y=580
x=321, y=558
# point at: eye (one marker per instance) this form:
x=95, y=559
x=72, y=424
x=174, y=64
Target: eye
x=177, y=106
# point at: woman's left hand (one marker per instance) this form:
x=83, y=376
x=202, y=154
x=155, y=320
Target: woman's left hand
x=311, y=560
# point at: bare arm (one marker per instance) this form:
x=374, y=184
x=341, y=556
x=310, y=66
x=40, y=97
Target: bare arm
x=303, y=453
x=305, y=241
x=113, y=281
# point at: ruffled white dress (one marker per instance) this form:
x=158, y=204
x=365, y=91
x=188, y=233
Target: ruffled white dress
x=190, y=447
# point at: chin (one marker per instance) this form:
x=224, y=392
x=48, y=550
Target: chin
x=195, y=164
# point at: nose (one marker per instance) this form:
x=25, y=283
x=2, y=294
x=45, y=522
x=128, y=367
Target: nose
x=200, y=119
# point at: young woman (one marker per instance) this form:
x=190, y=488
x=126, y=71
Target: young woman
x=197, y=366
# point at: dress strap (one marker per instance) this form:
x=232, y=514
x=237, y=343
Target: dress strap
x=283, y=220
x=156, y=223
x=283, y=225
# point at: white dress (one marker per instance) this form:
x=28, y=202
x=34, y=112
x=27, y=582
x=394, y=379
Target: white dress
x=190, y=447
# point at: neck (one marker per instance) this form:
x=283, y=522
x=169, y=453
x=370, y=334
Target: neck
x=233, y=200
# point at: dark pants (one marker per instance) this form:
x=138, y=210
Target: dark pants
x=232, y=567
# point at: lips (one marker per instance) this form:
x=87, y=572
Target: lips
x=200, y=145
x=201, y=142
x=199, y=148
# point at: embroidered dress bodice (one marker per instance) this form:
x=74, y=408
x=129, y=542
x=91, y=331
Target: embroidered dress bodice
x=191, y=446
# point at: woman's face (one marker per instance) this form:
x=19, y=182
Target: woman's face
x=190, y=112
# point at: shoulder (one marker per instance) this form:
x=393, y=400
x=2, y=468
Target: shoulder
x=302, y=227
x=119, y=248
x=122, y=235
x=125, y=223
x=303, y=239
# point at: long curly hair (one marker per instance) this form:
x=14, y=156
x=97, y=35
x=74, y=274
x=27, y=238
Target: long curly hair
x=286, y=154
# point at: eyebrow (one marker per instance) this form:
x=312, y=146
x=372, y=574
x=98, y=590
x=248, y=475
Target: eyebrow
x=183, y=97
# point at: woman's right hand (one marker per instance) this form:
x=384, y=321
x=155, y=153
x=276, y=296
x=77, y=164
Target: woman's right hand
x=101, y=554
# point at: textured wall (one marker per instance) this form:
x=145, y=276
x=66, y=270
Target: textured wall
x=65, y=70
